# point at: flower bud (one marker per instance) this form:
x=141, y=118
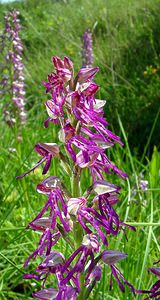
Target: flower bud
x=68, y=63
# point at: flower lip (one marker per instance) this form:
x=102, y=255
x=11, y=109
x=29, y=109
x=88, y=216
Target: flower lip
x=110, y=257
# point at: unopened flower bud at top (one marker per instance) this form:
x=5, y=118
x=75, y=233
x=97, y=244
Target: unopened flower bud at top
x=68, y=64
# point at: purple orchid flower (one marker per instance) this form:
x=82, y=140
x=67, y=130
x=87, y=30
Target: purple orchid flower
x=55, y=196
x=13, y=61
x=46, y=241
x=84, y=220
x=47, y=151
x=90, y=244
x=87, y=52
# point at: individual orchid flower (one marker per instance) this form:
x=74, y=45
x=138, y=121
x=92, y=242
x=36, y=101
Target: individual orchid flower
x=47, y=151
x=90, y=244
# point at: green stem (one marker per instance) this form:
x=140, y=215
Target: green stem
x=77, y=229
x=143, y=224
x=23, y=180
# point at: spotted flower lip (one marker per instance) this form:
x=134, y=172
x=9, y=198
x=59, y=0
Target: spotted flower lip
x=110, y=257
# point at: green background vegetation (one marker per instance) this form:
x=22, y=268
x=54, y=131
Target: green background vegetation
x=126, y=47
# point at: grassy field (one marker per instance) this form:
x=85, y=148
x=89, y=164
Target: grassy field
x=126, y=47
